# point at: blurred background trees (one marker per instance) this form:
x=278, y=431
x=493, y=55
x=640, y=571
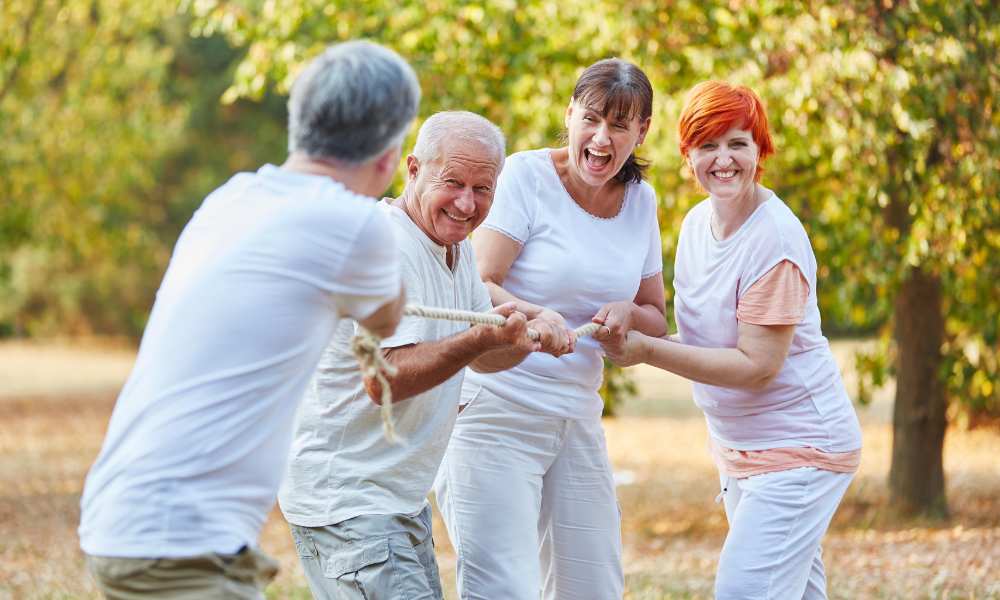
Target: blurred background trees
x=117, y=119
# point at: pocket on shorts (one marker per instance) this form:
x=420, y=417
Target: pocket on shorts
x=356, y=557
x=305, y=547
x=469, y=394
x=110, y=569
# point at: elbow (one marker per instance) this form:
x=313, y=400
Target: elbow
x=763, y=378
x=374, y=390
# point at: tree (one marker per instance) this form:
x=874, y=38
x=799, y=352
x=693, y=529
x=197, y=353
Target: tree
x=83, y=121
x=113, y=134
x=898, y=115
x=885, y=118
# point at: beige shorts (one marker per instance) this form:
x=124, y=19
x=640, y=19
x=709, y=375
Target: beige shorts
x=240, y=576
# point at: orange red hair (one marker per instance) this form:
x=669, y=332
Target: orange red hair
x=714, y=107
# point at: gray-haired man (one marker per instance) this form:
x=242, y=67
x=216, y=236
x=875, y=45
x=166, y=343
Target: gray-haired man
x=357, y=504
x=259, y=280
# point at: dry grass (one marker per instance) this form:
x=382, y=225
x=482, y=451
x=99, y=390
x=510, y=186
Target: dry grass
x=56, y=401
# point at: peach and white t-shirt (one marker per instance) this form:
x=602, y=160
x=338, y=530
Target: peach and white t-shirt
x=760, y=275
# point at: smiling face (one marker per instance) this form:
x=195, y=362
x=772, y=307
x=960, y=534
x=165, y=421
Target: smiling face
x=599, y=144
x=452, y=194
x=726, y=165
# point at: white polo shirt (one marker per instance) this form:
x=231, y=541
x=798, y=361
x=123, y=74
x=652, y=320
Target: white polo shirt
x=257, y=283
x=341, y=465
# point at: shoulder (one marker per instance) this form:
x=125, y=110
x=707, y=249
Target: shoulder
x=527, y=162
x=643, y=193
x=409, y=238
x=698, y=213
x=779, y=224
x=327, y=217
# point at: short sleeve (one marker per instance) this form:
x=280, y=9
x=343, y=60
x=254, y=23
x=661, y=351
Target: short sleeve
x=777, y=298
x=370, y=274
x=653, y=263
x=513, y=205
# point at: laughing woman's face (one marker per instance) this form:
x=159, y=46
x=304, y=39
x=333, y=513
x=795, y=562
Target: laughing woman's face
x=726, y=165
x=600, y=144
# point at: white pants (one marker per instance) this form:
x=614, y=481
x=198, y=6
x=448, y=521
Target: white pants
x=529, y=503
x=776, y=523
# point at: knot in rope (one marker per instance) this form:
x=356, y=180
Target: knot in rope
x=365, y=347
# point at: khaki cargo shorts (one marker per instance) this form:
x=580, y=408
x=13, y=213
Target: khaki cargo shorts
x=240, y=576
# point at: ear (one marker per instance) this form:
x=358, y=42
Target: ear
x=569, y=113
x=643, y=130
x=412, y=167
x=387, y=162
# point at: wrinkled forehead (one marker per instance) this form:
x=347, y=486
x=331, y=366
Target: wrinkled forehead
x=473, y=161
x=617, y=101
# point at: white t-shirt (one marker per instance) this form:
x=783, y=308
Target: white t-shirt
x=806, y=404
x=198, y=439
x=341, y=465
x=573, y=263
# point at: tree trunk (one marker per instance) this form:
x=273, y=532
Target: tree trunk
x=916, y=477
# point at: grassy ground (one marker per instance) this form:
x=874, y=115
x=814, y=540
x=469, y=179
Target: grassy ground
x=55, y=401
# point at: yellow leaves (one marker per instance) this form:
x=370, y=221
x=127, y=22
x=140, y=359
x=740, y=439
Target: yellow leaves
x=472, y=12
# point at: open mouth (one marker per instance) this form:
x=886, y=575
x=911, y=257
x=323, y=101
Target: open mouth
x=458, y=218
x=725, y=175
x=596, y=159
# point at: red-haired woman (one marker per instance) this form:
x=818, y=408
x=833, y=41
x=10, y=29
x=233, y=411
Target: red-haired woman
x=783, y=432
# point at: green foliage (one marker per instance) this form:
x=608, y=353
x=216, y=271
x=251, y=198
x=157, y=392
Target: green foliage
x=616, y=388
x=884, y=114
x=83, y=121
x=112, y=126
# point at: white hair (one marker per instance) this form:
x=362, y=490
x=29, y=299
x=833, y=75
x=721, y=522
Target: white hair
x=449, y=126
x=352, y=103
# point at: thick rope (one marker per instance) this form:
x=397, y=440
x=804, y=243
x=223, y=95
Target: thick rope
x=447, y=314
x=365, y=346
x=366, y=349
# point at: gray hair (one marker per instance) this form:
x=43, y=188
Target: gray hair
x=353, y=102
x=449, y=126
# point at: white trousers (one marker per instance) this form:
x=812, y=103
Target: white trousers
x=529, y=503
x=776, y=523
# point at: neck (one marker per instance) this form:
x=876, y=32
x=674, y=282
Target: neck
x=729, y=215
x=357, y=178
x=409, y=204
x=602, y=200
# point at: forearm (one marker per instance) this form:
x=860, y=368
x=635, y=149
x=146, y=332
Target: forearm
x=650, y=320
x=498, y=296
x=498, y=360
x=423, y=366
x=724, y=367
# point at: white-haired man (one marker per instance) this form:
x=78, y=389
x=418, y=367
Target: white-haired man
x=357, y=504
x=262, y=274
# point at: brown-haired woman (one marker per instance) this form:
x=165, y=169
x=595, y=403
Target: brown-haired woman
x=526, y=487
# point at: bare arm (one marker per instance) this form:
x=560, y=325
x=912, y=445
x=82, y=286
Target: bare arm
x=423, y=366
x=753, y=364
x=385, y=319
